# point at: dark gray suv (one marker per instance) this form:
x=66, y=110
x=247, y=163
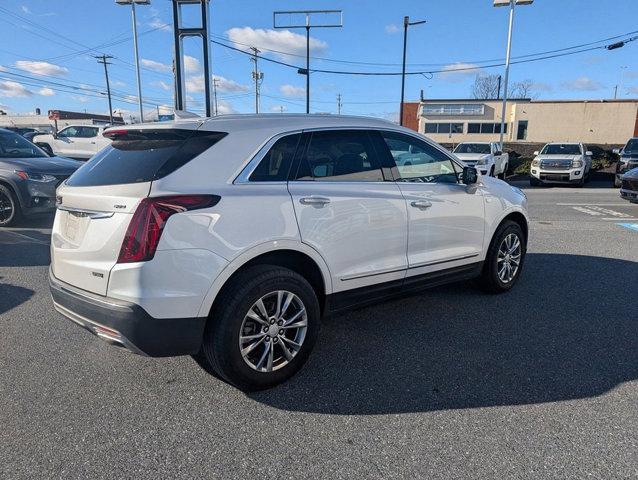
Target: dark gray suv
x=28, y=177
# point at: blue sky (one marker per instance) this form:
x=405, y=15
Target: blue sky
x=47, y=48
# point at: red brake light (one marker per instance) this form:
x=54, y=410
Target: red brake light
x=144, y=231
x=114, y=133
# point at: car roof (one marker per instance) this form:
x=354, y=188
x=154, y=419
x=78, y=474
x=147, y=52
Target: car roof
x=267, y=122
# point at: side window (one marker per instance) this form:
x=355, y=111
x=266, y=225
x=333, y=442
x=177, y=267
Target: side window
x=68, y=132
x=87, y=132
x=275, y=165
x=418, y=161
x=340, y=156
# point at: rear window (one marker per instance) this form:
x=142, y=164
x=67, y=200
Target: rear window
x=138, y=156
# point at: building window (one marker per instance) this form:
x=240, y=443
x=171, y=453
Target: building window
x=485, y=128
x=460, y=109
x=443, y=128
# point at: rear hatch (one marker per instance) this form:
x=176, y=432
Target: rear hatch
x=96, y=204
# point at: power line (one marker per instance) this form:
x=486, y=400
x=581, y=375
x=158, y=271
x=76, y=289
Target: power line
x=425, y=72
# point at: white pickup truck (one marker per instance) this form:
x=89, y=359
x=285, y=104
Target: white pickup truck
x=74, y=141
x=485, y=156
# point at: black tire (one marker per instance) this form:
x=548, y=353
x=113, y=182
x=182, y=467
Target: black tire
x=617, y=181
x=10, y=212
x=220, y=352
x=580, y=183
x=534, y=182
x=504, y=173
x=489, y=280
x=492, y=171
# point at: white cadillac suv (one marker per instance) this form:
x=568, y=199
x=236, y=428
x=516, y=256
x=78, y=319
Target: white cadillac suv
x=229, y=238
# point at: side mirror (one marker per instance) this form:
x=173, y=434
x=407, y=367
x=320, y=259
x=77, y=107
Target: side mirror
x=536, y=152
x=588, y=153
x=469, y=175
x=616, y=151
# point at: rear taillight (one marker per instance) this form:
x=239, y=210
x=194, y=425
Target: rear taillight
x=144, y=231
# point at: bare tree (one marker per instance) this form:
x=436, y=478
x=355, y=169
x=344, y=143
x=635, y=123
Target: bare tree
x=485, y=87
x=524, y=89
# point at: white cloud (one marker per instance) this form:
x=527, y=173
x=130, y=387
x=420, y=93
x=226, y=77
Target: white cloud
x=542, y=87
x=2, y=69
x=278, y=108
x=13, y=89
x=117, y=83
x=292, y=91
x=80, y=98
x=459, y=70
x=159, y=24
x=163, y=85
x=191, y=64
x=41, y=68
x=46, y=92
x=633, y=90
x=224, y=107
x=283, y=41
x=583, y=84
x=227, y=85
x=156, y=66
x=391, y=28
x=195, y=84
x=25, y=9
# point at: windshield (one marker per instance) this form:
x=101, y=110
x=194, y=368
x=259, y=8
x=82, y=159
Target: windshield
x=483, y=148
x=13, y=145
x=632, y=146
x=561, y=149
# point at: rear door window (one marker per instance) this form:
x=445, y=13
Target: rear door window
x=340, y=156
x=136, y=156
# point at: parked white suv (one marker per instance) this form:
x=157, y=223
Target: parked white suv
x=485, y=156
x=228, y=238
x=561, y=163
x=75, y=141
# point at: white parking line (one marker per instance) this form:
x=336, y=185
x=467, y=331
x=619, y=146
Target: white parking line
x=593, y=204
x=624, y=219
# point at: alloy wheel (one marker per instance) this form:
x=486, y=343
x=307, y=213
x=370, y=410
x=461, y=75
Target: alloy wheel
x=509, y=258
x=273, y=331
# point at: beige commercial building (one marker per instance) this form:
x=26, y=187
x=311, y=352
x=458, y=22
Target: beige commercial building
x=537, y=121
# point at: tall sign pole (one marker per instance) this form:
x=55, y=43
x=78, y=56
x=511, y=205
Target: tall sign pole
x=307, y=19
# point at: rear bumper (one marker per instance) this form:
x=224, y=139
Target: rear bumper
x=126, y=324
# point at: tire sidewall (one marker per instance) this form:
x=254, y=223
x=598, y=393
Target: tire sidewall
x=226, y=331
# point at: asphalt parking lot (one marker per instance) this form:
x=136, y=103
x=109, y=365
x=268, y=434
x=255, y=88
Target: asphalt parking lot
x=538, y=383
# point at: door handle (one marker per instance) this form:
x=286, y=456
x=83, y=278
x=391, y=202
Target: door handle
x=422, y=204
x=316, y=201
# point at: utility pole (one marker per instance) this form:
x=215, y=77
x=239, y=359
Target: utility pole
x=257, y=76
x=281, y=109
x=339, y=104
x=103, y=60
x=406, y=24
x=498, y=90
x=215, y=80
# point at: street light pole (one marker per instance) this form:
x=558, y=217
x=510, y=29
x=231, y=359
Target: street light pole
x=510, y=3
x=137, y=62
x=406, y=24
x=507, y=72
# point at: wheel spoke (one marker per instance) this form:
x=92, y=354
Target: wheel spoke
x=252, y=346
x=271, y=355
x=280, y=296
x=251, y=314
x=267, y=348
x=295, y=346
x=287, y=303
x=294, y=317
x=515, y=244
x=262, y=309
x=284, y=349
x=248, y=338
x=299, y=324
